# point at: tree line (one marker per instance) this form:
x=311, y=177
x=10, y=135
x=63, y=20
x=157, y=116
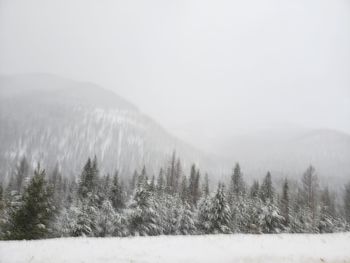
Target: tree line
x=52, y=205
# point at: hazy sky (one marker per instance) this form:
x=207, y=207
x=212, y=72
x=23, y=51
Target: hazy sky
x=203, y=69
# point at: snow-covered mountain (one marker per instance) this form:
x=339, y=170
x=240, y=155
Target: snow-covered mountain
x=51, y=119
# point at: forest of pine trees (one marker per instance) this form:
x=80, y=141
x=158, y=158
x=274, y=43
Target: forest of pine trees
x=36, y=204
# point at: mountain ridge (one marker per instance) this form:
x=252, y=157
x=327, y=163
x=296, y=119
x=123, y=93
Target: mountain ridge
x=67, y=121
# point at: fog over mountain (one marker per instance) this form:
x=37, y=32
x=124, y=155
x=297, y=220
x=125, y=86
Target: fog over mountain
x=263, y=83
x=55, y=120
x=51, y=119
x=286, y=153
x=203, y=70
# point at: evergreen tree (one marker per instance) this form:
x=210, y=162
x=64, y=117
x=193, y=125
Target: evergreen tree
x=327, y=212
x=85, y=220
x=22, y=172
x=56, y=183
x=152, y=186
x=142, y=180
x=2, y=198
x=309, y=194
x=255, y=190
x=168, y=208
x=144, y=221
x=160, y=182
x=88, y=179
x=237, y=186
x=3, y=219
x=133, y=182
x=220, y=213
x=285, y=203
x=347, y=203
x=206, y=185
x=32, y=219
x=250, y=219
x=270, y=219
x=184, y=190
x=173, y=176
x=107, y=184
x=187, y=222
x=204, y=220
x=177, y=177
x=239, y=214
x=117, y=193
x=105, y=226
x=194, y=192
x=266, y=190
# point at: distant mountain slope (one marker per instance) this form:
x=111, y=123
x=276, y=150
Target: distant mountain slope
x=51, y=119
x=289, y=152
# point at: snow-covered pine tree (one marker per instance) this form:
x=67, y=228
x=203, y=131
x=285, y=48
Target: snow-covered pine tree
x=173, y=174
x=88, y=179
x=238, y=201
x=240, y=215
x=220, y=213
x=270, y=219
x=133, y=183
x=22, y=172
x=160, y=182
x=117, y=193
x=33, y=218
x=2, y=198
x=204, y=224
x=177, y=177
x=237, y=185
x=284, y=203
x=144, y=220
x=267, y=191
x=194, y=187
x=86, y=219
x=105, y=225
x=187, y=222
x=191, y=184
x=254, y=189
x=169, y=208
x=56, y=182
x=250, y=220
x=142, y=179
x=206, y=190
x=152, y=185
x=310, y=198
x=3, y=218
x=184, y=195
x=347, y=203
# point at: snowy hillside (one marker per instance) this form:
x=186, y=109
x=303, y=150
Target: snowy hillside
x=51, y=119
x=220, y=248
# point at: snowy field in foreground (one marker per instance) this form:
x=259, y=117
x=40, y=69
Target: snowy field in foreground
x=215, y=248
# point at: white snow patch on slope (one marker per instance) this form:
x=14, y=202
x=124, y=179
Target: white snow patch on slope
x=216, y=248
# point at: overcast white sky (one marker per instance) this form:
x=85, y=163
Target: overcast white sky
x=201, y=68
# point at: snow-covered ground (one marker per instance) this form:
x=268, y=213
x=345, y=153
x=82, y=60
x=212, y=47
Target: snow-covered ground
x=215, y=248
